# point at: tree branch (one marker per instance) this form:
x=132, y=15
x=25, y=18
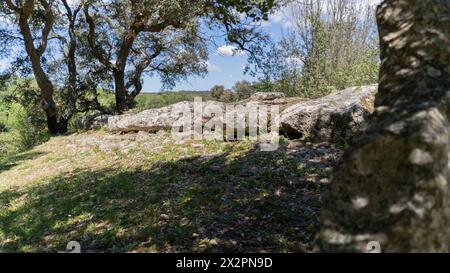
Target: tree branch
x=13, y=7
x=96, y=50
x=48, y=25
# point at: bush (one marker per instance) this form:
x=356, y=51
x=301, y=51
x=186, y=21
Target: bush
x=21, y=116
x=216, y=92
x=27, y=125
x=8, y=145
x=76, y=123
x=219, y=93
x=243, y=89
x=107, y=99
x=333, y=45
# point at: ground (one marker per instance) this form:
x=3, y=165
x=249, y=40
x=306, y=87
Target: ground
x=148, y=193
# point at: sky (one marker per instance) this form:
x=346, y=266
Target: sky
x=225, y=65
x=226, y=68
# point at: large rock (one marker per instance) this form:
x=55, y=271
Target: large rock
x=333, y=117
x=392, y=184
x=153, y=120
x=94, y=121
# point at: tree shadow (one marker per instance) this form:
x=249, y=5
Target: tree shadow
x=256, y=202
x=14, y=160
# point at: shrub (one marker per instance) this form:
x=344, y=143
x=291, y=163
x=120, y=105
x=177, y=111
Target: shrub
x=107, y=99
x=332, y=45
x=28, y=126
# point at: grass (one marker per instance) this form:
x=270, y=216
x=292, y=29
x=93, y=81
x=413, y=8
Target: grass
x=128, y=194
x=8, y=145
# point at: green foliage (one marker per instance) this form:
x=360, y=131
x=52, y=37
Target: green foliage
x=228, y=96
x=219, y=93
x=22, y=116
x=332, y=46
x=243, y=89
x=29, y=126
x=106, y=99
x=3, y=127
x=23, y=130
x=3, y=118
x=156, y=100
x=7, y=145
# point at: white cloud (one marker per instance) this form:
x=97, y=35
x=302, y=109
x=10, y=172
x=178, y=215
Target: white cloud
x=70, y=2
x=295, y=61
x=375, y=2
x=229, y=50
x=212, y=67
x=281, y=17
x=284, y=16
x=4, y=63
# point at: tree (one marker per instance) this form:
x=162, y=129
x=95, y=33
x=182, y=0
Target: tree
x=217, y=92
x=23, y=14
x=79, y=89
x=55, y=25
x=332, y=46
x=227, y=96
x=243, y=89
x=131, y=38
x=392, y=184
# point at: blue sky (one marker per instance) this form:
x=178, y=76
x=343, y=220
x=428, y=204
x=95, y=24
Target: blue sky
x=224, y=67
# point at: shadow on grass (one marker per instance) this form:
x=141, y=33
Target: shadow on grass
x=10, y=162
x=257, y=202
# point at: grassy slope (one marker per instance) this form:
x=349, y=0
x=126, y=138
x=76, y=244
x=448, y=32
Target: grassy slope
x=121, y=193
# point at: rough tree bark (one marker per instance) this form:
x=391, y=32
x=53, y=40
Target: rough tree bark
x=24, y=12
x=35, y=54
x=70, y=47
x=392, y=185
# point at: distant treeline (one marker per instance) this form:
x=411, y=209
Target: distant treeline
x=161, y=99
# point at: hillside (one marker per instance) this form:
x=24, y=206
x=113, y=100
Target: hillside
x=145, y=193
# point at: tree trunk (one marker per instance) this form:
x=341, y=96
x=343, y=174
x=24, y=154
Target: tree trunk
x=392, y=184
x=71, y=94
x=123, y=101
x=48, y=104
x=63, y=125
x=121, y=92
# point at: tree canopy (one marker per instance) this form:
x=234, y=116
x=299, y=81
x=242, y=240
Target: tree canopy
x=73, y=47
